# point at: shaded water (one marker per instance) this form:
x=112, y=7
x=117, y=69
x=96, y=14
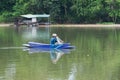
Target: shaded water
x=96, y=57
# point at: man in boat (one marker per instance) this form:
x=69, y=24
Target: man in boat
x=55, y=41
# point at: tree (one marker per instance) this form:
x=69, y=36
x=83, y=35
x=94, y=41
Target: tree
x=114, y=9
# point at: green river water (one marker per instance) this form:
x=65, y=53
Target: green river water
x=96, y=55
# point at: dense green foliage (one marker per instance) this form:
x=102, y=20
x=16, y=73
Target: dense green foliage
x=63, y=11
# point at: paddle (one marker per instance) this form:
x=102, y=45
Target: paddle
x=59, y=40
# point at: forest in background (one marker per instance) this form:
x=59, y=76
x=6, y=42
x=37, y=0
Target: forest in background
x=63, y=11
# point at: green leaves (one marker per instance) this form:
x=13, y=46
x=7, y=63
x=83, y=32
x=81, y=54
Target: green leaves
x=65, y=11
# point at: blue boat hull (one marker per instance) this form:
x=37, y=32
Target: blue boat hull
x=42, y=45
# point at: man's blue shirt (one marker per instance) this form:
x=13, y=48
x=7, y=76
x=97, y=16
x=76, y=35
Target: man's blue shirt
x=53, y=40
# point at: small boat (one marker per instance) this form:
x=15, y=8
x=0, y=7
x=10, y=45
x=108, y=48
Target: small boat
x=44, y=45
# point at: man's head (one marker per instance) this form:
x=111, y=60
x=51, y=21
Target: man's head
x=54, y=34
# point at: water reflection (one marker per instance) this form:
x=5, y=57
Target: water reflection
x=17, y=29
x=72, y=75
x=30, y=32
x=33, y=32
x=9, y=72
x=55, y=54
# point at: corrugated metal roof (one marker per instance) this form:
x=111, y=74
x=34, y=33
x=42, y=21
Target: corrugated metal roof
x=36, y=15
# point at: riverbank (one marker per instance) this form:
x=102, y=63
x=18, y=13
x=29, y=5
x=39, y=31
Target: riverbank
x=5, y=24
x=86, y=25
x=70, y=25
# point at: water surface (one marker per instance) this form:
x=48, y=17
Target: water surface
x=96, y=56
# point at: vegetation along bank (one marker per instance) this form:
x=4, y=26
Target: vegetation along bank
x=63, y=11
